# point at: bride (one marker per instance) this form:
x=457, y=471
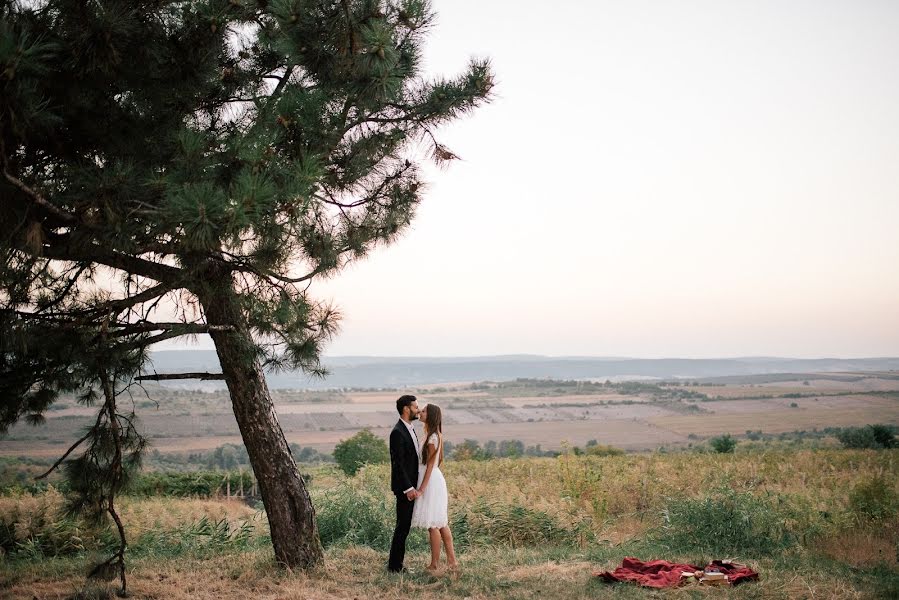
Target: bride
x=430, y=511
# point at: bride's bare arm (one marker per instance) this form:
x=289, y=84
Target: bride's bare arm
x=432, y=460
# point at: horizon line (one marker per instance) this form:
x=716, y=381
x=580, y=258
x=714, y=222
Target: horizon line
x=566, y=356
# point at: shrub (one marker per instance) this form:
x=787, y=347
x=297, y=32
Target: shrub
x=363, y=448
x=470, y=450
x=874, y=500
x=603, y=450
x=510, y=448
x=723, y=444
x=870, y=436
x=727, y=523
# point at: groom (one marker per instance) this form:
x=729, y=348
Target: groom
x=404, y=458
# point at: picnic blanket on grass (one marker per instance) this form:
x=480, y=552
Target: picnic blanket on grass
x=661, y=573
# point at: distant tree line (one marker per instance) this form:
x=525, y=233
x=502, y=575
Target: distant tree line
x=228, y=457
x=875, y=436
x=658, y=390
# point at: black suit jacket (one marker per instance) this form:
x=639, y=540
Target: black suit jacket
x=403, y=459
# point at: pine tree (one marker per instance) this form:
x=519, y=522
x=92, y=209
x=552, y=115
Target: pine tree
x=178, y=168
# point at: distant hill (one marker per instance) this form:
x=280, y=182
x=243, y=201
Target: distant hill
x=394, y=372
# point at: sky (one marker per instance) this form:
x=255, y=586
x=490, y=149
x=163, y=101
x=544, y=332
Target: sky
x=653, y=179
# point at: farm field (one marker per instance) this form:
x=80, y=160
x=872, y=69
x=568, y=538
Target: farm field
x=814, y=524
x=634, y=416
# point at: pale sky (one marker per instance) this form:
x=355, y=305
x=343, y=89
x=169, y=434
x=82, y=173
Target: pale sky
x=653, y=179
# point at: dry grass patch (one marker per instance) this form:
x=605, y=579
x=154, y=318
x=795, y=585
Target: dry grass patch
x=146, y=514
x=862, y=548
x=558, y=572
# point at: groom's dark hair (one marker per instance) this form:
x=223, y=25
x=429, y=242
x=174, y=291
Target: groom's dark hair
x=404, y=401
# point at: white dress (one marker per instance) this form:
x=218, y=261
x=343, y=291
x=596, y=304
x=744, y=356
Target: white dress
x=430, y=508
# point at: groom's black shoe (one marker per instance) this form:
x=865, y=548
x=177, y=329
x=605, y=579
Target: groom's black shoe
x=400, y=571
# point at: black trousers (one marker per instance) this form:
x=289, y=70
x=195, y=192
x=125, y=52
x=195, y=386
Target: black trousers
x=404, y=508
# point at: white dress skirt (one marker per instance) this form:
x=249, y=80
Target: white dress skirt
x=430, y=509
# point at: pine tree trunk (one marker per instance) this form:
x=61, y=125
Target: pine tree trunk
x=291, y=516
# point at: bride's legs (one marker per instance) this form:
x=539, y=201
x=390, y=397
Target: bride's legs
x=447, y=536
x=434, y=539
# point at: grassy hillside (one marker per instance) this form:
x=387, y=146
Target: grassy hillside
x=815, y=523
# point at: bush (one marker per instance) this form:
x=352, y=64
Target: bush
x=470, y=450
x=363, y=448
x=727, y=523
x=875, y=437
x=603, y=450
x=723, y=444
x=510, y=448
x=874, y=500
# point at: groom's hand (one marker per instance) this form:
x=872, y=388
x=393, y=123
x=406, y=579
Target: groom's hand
x=411, y=495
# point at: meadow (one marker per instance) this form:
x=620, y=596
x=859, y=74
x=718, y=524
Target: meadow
x=814, y=522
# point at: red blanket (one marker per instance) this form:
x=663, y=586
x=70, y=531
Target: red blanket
x=661, y=573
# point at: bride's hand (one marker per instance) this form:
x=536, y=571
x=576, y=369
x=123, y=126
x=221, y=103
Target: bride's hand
x=421, y=490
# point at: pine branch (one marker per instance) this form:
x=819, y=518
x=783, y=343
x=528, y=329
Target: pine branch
x=115, y=473
x=349, y=27
x=117, y=306
x=116, y=260
x=372, y=195
x=169, y=376
x=65, y=292
x=114, y=307
x=123, y=329
x=265, y=274
x=41, y=202
x=36, y=198
x=64, y=456
x=155, y=339
x=288, y=71
x=89, y=433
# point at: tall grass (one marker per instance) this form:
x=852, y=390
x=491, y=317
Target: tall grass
x=874, y=500
x=205, y=537
x=357, y=512
x=361, y=511
x=493, y=523
x=730, y=523
x=36, y=527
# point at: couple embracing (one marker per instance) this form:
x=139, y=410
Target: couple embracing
x=418, y=484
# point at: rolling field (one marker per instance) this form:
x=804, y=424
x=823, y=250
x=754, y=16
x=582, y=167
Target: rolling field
x=814, y=520
x=631, y=416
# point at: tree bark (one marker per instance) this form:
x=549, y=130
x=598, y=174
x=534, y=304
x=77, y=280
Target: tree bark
x=291, y=516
